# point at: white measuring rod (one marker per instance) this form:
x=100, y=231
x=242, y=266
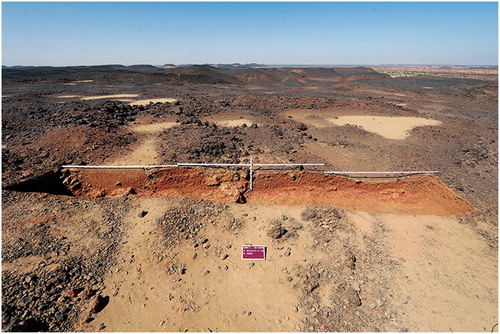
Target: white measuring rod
x=391, y=172
x=117, y=167
x=181, y=165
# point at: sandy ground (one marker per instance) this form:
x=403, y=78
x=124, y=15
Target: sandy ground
x=234, y=122
x=153, y=128
x=388, y=127
x=116, y=96
x=67, y=96
x=418, y=272
x=147, y=101
x=145, y=152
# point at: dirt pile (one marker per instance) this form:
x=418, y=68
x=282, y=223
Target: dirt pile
x=76, y=145
x=39, y=138
x=209, y=143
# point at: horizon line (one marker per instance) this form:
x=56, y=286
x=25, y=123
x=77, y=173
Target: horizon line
x=252, y=64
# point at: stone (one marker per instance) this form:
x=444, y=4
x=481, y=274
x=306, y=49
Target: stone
x=277, y=231
x=71, y=293
x=96, y=304
x=353, y=297
x=86, y=294
x=142, y=214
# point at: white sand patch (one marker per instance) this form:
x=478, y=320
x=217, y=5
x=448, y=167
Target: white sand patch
x=388, y=127
x=117, y=96
x=81, y=81
x=234, y=122
x=70, y=84
x=398, y=94
x=6, y=96
x=155, y=127
x=428, y=87
x=147, y=101
x=67, y=96
x=401, y=104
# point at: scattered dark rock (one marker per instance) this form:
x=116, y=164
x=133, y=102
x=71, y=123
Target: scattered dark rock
x=352, y=297
x=97, y=303
x=86, y=294
x=277, y=231
x=72, y=293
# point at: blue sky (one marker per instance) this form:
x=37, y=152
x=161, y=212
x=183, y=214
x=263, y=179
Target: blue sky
x=156, y=33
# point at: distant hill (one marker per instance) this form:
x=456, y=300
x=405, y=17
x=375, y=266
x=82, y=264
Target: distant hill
x=201, y=74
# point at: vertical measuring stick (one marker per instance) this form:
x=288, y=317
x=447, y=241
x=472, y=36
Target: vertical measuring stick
x=251, y=173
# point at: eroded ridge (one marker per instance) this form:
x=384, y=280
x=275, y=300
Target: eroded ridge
x=418, y=194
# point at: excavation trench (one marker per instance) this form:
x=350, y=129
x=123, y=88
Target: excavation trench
x=418, y=194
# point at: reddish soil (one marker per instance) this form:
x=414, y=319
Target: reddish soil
x=422, y=194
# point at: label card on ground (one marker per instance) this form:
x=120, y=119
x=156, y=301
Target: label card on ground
x=252, y=252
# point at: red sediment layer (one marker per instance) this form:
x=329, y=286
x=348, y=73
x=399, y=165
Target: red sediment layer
x=420, y=194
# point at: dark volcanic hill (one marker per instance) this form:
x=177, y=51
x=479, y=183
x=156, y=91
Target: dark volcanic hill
x=198, y=74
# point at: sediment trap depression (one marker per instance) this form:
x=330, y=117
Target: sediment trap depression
x=422, y=193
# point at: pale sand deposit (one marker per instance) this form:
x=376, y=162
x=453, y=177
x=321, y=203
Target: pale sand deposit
x=154, y=127
x=117, y=96
x=147, y=101
x=67, y=96
x=388, y=127
x=82, y=81
x=234, y=122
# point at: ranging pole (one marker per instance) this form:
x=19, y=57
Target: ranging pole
x=251, y=173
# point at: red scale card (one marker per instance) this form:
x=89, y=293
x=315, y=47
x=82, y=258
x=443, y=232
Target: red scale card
x=252, y=252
